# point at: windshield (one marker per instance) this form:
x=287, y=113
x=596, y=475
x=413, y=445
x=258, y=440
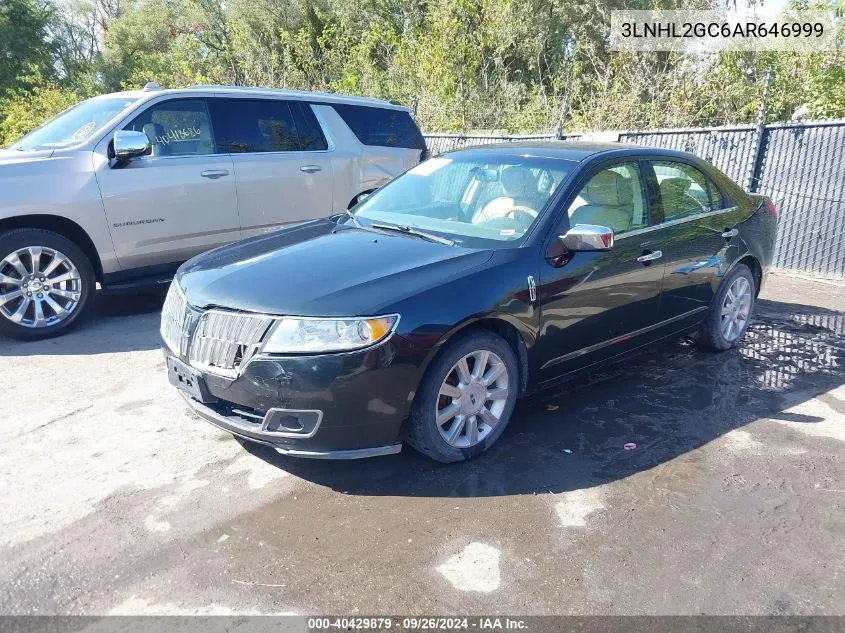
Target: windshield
x=75, y=125
x=468, y=198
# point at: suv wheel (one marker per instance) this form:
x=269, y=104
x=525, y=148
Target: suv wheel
x=46, y=284
x=730, y=311
x=466, y=398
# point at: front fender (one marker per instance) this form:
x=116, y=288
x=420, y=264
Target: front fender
x=63, y=186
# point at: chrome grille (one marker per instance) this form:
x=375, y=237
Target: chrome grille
x=173, y=318
x=224, y=341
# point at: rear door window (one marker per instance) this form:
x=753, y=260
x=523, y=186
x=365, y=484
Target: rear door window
x=684, y=190
x=258, y=125
x=382, y=127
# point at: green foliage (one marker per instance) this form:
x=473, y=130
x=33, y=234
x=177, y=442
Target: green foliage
x=504, y=65
x=23, y=45
x=26, y=110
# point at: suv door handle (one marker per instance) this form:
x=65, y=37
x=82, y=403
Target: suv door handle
x=729, y=233
x=310, y=169
x=649, y=257
x=214, y=173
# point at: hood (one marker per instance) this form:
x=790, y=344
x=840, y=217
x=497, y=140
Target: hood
x=16, y=157
x=319, y=269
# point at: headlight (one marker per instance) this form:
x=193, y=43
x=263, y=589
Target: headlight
x=298, y=336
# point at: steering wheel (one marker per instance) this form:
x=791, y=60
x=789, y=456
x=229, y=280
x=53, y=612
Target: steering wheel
x=520, y=208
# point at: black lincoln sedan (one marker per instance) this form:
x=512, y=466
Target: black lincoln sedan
x=424, y=313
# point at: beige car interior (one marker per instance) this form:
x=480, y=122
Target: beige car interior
x=608, y=199
x=518, y=190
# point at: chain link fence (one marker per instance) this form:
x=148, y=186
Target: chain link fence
x=800, y=165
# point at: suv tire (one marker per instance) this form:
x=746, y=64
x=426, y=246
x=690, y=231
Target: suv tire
x=457, y=386
x=46, y=284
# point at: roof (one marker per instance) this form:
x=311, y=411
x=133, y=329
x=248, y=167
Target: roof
x=246, y=91
x=565, y=150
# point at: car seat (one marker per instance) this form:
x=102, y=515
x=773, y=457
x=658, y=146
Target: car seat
x=519, y=188
x=610, y=202
x=155, y=132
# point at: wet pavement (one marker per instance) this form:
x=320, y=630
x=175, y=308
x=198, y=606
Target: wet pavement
x=731, y=500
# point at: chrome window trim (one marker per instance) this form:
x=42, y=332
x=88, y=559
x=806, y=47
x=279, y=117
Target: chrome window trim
x=152, y=159
x=663, y=225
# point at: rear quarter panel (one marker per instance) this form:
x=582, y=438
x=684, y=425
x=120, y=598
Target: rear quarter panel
x=757, y=228
x=357, y=167
x=759, y=232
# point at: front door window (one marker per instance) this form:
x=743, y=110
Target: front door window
x=613, y=198
x=179, y=127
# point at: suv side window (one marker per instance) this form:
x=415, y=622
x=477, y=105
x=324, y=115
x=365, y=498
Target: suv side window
x=684, y=190
x=380, y=126
x=613, y=198
x=311, y=137
x=178, y=127
x=258, y=125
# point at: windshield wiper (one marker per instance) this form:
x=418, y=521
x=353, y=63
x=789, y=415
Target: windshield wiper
x=354, y=219
x=407, y=230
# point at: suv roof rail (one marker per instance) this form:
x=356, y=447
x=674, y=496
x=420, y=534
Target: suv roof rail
x=304, y=93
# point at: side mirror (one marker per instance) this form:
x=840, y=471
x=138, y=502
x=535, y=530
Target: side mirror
x=587, y=237
x=129, y=144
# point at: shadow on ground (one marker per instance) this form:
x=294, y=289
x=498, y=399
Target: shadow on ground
x=668, y=402
x=123, y=321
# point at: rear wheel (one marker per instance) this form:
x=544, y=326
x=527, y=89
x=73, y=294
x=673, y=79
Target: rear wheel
x=465, y=399
x=730, y=311
x=46, y=284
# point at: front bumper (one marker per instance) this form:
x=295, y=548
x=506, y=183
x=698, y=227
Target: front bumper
x=235, y=426
x=343, y=406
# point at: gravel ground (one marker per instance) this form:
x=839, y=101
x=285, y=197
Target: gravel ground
x=116, y=500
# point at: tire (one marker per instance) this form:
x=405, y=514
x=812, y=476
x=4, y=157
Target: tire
x=713, y=331
x=74, y=277
x=423, y=431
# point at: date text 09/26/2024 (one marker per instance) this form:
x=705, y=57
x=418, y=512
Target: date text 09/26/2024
x=416, y=623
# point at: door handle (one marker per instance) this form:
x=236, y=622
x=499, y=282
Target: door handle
x=649, y=257
x=214, y=173
x=729, y=233
x=310, y=169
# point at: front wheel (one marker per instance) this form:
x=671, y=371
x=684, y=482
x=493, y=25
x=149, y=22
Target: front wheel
x=465, y=399
x=46, y=284
x=730, y=311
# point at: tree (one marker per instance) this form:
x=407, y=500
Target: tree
x=23, y=42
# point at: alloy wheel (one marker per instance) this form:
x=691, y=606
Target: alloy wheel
x=39, y=287
x=472, y=398
x=736, y=309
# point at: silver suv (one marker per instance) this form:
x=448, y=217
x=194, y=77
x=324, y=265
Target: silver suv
x=122, y=188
